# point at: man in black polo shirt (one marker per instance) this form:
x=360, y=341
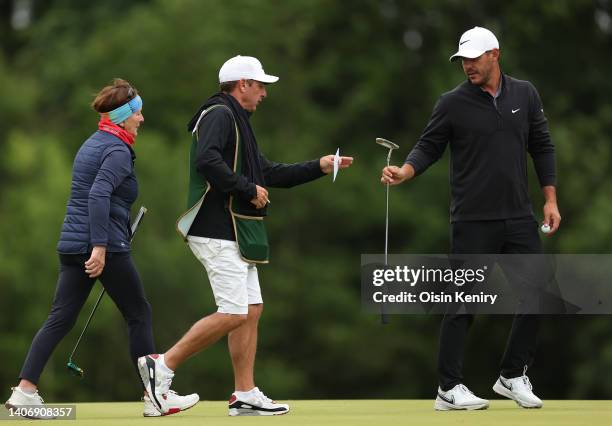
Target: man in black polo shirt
x=490, y=121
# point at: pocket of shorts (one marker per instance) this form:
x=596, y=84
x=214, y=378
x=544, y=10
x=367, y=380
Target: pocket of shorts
x=215, y=246
x=204, y=248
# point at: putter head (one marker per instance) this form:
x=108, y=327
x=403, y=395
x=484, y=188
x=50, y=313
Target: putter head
x=386, y=143
x=74, y=369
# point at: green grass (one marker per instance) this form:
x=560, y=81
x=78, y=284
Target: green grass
x=357, y=412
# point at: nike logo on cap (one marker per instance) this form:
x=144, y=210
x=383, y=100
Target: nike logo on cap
x=514, y=111
x=463, y=42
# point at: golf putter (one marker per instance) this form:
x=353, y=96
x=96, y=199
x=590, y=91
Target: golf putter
x=71, y=365
x=390, y=146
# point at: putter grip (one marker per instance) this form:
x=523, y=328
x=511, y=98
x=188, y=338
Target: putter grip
x=137, y=221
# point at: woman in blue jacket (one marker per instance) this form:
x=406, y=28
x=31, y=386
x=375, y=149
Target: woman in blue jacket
x=95, y=242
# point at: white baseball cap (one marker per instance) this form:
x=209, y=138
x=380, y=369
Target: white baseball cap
x=475, y=42
x=244, y=67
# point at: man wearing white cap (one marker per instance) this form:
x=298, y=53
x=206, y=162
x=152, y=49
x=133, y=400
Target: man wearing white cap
x=490, y=120
x=224, y=228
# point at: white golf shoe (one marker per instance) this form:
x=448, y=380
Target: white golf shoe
x=255, y=403
x=518, y=389
x=21, y=399
x=182, y=402
x=149, y=408
x=459, y=398
x=157, y=379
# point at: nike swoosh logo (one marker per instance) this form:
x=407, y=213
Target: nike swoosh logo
x=514, y=111
x=450, y=400
x=463, y=42
x=506, y=385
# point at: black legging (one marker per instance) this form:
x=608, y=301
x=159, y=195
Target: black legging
x=123, y=285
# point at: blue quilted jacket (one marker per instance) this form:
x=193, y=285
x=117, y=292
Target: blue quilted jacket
x=104, y=187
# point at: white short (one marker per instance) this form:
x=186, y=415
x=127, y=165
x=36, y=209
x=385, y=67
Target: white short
x=234, y=282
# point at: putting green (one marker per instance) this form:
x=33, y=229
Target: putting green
x=355, y=413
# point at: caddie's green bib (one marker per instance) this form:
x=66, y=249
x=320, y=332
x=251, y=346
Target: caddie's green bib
x=250, y=231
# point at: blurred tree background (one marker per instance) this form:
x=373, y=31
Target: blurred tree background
x=350, y=71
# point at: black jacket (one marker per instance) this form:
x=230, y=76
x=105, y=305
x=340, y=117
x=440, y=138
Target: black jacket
x=488, y=164
x=215, y=157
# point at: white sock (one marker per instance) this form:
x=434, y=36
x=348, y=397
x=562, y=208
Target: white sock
x=243, y=394
x=28, y=391
x=162, y=362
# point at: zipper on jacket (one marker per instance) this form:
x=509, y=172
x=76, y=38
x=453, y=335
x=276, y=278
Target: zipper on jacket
x=495, y=105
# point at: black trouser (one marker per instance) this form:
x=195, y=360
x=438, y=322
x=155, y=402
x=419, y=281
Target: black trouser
x=123, y=285
x=489, y=237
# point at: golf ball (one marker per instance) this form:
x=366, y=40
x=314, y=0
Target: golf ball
x=545, y=228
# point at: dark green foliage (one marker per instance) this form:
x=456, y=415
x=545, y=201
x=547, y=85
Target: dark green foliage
x=350, y=71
